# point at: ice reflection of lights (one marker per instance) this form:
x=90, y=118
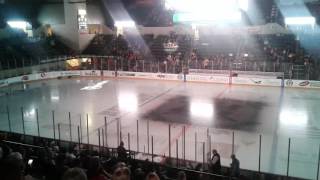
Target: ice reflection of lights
x=55, y=98
x=94, y=86
x=293, y=117
x=30, y=113
x=89, y=120
x=54, y=94
x=201, y=109
x=128, y=102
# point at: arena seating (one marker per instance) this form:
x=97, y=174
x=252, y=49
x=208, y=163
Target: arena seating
x=267, y=53
x=30, y=157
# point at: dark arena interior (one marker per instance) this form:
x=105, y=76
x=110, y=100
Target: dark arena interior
x=159, y=89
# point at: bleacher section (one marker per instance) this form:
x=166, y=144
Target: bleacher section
x=30, y=157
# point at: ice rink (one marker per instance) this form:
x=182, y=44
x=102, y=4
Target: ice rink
x=203, y=109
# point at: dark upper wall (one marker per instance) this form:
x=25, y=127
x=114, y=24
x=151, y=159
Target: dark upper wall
x=27, y=10
x=98, y=13
x=51, y=14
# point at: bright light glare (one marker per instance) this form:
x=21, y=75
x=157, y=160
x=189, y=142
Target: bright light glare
x=82, y=12
x=18, y=24
x=207, y=16
x=201, y=109
x=30, y=113
x=243, y=4
x=89, y=120
x=207, y=10
x=206, y=5
x=125, y=24
x=54, y=94
x=94, y=86
x=55, y=98
x=128, y=102
x=292, y=117
x=300, y=21
x=84, y=59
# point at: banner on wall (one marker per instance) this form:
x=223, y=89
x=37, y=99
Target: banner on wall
x=82, y=21
x=170, y=46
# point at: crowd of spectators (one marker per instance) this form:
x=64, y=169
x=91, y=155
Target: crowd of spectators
x=170, y=53
x=167, y=50
x=219, y=52
x=55, y=162
x=50, y=160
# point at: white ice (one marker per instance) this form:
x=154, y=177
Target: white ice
x=287, y=113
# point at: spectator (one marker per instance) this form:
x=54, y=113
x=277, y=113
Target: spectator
x=182, y=176
x=152, y=176
x=1, y=153
x=74, y=174
x=121, y=172
x=205, y=63
x=95, y=170
x=139, y=174
x=235, y=166
x=215, y=162
x=122, y=152
x=13, y=167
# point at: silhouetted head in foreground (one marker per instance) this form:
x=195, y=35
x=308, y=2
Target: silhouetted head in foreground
x=74, y=174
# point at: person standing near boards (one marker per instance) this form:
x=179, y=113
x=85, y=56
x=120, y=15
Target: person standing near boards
x=215, y=162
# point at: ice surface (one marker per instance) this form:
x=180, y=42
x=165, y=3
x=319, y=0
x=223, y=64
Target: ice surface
x=204, y=109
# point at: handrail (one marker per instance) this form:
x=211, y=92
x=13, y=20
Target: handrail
x=22, y=144
x=201, y=172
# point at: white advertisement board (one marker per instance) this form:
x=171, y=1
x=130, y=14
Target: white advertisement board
x=206, y=78
x=90, y=73
x=159, y=76
x=68, y=73
x=256, y=81
x=301, y=83
x=109, y=73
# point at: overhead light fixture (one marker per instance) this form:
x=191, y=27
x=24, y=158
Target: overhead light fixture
x=300, y=20
x=124, y=24
x=18, y=24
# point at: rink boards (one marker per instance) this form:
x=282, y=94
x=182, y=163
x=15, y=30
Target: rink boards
x=207, y=78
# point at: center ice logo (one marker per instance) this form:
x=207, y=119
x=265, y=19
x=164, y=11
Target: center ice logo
x=94, y=86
